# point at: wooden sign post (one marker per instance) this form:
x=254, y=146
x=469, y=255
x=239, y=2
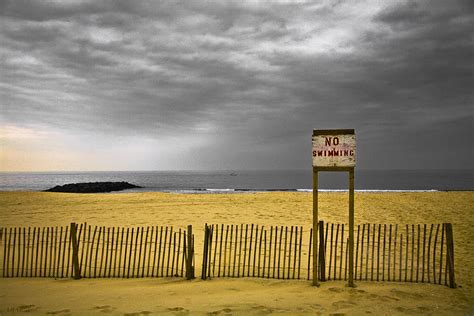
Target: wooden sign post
x=333, y=150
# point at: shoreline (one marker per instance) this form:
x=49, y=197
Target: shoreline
x=243, y=191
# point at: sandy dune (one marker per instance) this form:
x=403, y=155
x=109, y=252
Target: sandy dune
x=237, y=296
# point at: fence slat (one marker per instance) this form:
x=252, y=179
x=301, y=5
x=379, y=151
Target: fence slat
x=235, y=250
x=23, y=253
x=383, y=253
x=161, y=259
x=239, y=248
x=322, y=251
x=225, y=250
x=220, y=250
x=429, y=251
x=250, y=251
x=279, y=251
x=389, y=249
x=260, y=252
x=368, y=253
x=401, y=253
x=450, y=254
x=309, y=251
x=406, y=253
x=373, y=254
x=423, y=261
x=362, y=251
x=231, y=236
x=284, y=253
x=434, y=253
x=255, y=250
x=299, y=252
x=264, y=253
x=357, y=253
x=378, y=252
x=418, y=254
x=90, y=251
x=342, y=249
x=330, y=252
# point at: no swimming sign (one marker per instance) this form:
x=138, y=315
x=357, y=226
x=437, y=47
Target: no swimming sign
x=334, y=148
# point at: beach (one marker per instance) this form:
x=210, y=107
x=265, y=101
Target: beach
x=244, y=295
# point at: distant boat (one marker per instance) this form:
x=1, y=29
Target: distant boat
x=233, y=174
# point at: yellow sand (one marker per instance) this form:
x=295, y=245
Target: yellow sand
x=225, y=296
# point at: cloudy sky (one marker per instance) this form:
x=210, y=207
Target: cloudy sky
x=149, y=85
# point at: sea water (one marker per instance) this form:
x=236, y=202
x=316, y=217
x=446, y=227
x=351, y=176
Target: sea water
x=245, y=181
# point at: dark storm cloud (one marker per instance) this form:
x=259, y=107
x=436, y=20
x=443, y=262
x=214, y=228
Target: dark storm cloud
x=259, y=76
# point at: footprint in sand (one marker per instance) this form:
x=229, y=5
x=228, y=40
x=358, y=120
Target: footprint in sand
x=138, y=313
x=23, y=308
x=403, y=294
x=343, y=304
x=336, y=289
x=60, y=312
x=179, y=310
x=221, y=311
x=104, y=308
x=316, y=308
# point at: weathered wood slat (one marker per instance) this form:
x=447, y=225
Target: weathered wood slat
x=357, y=253
x=322, y=251
x=383, y=252
x=362, y=251
x=418, y=254
x=270, y=251
x=434, y=254
x=424, y=251
x=450, y=254
x=225, y=250
x=255, y=250
x=309, y=251
x=275, y=251
x=401, y=254
x=373, y=252
x=299, y=252
x=342, y=251
x=264, y=253
x=260, y=252
x=395, y=238
x=279, y=252
x=389, y=249
x=330, y=252
x=284, y=252
x=428, y=255
x=368, y=253
x=235, y=252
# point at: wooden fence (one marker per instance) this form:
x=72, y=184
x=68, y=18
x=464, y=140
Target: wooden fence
x=383, y=252
x=97, y=252
x=252, y=251
x=389, y=252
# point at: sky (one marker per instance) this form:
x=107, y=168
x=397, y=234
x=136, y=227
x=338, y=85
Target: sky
x=232, y=85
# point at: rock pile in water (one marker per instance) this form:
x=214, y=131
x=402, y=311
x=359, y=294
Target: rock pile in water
x=93, y=187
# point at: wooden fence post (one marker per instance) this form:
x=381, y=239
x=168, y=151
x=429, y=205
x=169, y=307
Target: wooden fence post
x=204, y=254
x=322, y=253
x=190, y=254
x=75, y=252
x=450, y=254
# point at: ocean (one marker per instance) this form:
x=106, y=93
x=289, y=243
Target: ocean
x=245, y=181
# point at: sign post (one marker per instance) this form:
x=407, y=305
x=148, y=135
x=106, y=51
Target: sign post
x=333, y=150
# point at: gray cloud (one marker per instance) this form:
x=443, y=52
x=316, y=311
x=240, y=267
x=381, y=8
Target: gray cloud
x=257, y=76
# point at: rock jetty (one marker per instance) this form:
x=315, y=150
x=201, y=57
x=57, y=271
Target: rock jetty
x=93, y=187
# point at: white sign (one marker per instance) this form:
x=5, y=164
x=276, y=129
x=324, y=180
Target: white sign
x=333, y=150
